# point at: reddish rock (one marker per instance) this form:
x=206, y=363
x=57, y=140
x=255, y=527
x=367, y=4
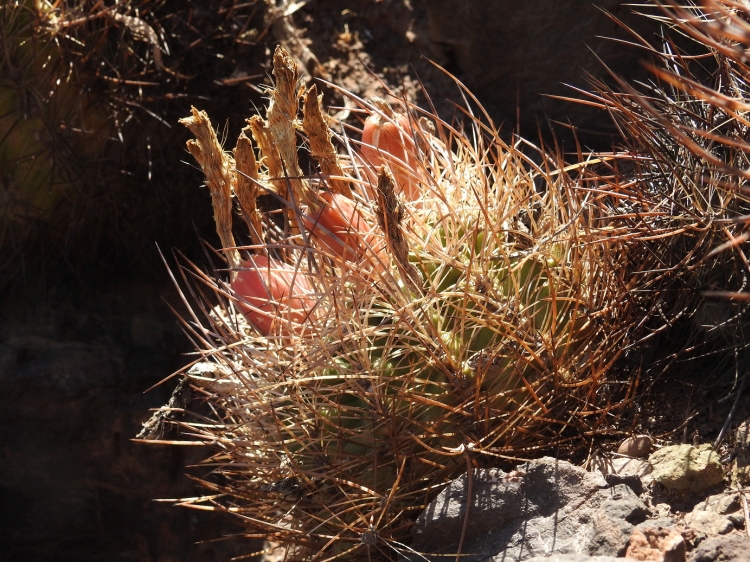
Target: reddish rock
x=657, y=544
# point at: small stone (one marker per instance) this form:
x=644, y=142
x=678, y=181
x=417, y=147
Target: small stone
x=737, y=519
x=742, y=435
x=657, y=544
x=630, y=467
x=574, y=558
x=741, y=463
x=709, y=522
x=636, y=446
x=733, y=548
x=662, y=509
x=723, y=504
x=658, y=522
x=685, y=467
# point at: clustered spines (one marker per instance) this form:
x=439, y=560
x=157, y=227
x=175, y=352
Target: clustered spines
x=90, y=93
x=51, y=125
x=686, y=136
x=448, y=335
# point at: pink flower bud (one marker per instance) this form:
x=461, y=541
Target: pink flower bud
x=273, y=294
x=390, y=143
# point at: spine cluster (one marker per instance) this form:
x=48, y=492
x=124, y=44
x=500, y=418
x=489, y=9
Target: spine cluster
x=429, y=299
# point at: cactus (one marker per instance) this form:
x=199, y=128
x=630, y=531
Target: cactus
x=478, y=304
x=88, y=93
x=473, y=322
x=686, y=148
x=50, y=125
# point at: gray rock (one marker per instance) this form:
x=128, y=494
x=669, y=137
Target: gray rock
x=741, y=463
x=709, y=522
x=73, y=486
x=511, y=52
x=737, y=519
x=728, y=505
x=734, y=548
x=575, y=558
x=544, y=507
x=657, y=522
x=684, y=467
x=636, y=473
x=723, y=504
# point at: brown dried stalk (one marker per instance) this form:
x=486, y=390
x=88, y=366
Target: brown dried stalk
x=218, y=167
x=276, y=136
x=321, y=147
x=390, y=213
x=246, y=188
x=281, y=117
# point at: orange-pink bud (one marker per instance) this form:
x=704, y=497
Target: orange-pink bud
x=389, y=142
x=272, y=293
x=342, y=230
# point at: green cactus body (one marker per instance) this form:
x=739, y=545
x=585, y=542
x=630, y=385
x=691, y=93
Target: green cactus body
x=48, y=124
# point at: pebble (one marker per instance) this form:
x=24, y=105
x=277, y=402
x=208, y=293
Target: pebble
x=709, y=522
x=636, y=446
x=723, y=504
x=733, y=548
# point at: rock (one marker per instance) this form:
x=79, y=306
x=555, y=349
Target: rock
x=737, y=519
x=685, y=467
x=741, y=463
x=635, y=473
x=734, y=548
x=575, y=558
x=511, y=52
x=659, y=544
x=692, y=537
x=661, y=509
x=658, y=522
x=727, y=505
x=544, y=507
x=723, y=504
x=73, y=486
x=636, y=446
x=709, y=522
